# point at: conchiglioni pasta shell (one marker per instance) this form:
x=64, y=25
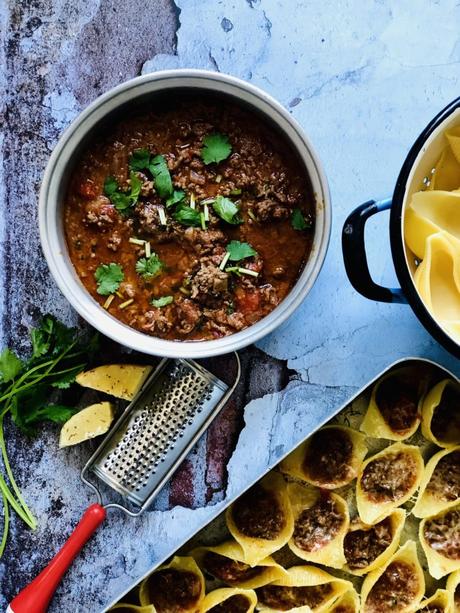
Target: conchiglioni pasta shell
x=299, y=576
x=447, y=172
x=453, y=582
x=222, y=594
x=270, y=570
x=132, y=608
x=186, y=563
x=430, y=212
x=437, y=280
x=348, y=602
x=331, y=554
x=256, y=549
x=371, y=512
x=427, y=504
x=430, y=404
x=294, y=463
x=438, y=565
x=397, y=518
x=407, y=553
x=453, y=138
x=441, y=598
x=374, y=423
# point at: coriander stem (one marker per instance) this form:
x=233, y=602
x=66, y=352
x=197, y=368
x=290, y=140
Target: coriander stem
x=14, y=503
x=6, y=523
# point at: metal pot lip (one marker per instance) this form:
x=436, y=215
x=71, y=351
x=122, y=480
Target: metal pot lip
x=52, y=237
x=397, y=239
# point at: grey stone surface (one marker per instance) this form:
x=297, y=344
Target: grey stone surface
x=363, y=79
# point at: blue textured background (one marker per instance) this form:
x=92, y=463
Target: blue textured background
x=363, y=78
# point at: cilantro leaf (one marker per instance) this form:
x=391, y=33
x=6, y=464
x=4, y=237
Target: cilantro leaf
x=161, y=176
x=239, y=251
x=123, y=201
x=50, y=338
x=10, y=366
x=227, y=210
x=149, y=267
x=108, y=277
x=298, y=221
x=187, y=216
x=177, y=196
x=216, y=147
x=140, y=159
x=161, y=302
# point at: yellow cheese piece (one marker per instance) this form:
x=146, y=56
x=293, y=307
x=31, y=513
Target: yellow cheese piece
x=446, y=528
x=150, y=586
x=302, y=576
x=86, y=424
x=330, y=551
x=119, y=380
x=225, y=594
x=406, y=555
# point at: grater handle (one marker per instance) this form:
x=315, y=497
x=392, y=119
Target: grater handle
x=36, y=596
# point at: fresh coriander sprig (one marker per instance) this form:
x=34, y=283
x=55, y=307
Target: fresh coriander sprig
x=216, y=148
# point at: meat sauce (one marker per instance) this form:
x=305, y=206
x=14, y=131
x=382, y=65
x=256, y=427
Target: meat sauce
x=258, y=514
x=173, y=591
x=328, y=456
x=230, y=571
x=445, y=480
x=397, y=400
x=317, y=526
x=442, y=533
x=389, y=477
x=196, y=295
x=235, y=604
x=362, y=547
x=394, y=590
x=284, y=598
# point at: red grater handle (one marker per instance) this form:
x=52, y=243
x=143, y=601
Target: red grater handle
x=36, y=597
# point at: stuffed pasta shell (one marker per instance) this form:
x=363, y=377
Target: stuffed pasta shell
x=440, y=538
x=229, y=600
x=441, y=414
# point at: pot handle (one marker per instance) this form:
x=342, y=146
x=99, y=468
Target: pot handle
x=355, y=258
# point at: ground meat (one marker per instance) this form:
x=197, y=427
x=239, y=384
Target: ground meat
x=158, y=320
x=445, y=423
x=188, y=315
x=100, y=212
x=445, y=480
x=270, y=210
x=114, y=241
x=204, y=241
x=443, y=534
x=173, y=591
x=228, y=570
x=327, y=457
x=343, y=608
x=209, y=282
x=283, y=598
x=432, y=608
x=394, y=590
x=238, y=603
x=397, y=399
x=389, y=477
x=258, y=514
x=221, y=320
x=362, y=547
x=457, y=597
x=317, y=526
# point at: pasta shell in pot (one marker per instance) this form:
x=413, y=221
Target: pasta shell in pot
x=229, y=600
x=440, y=601
x=321, y=521
x=441, y=414
x=367, y=547
x=387, y=480
x=306, y=589
x=261, y=519
x=347, y=603
x=329, y=459
x=122, y=607
x=453, y=589
x=396, y=586
x=177, y=584
x=440, y=486
x=447, y=172
x=226, y=563
x=394, y=407
x=440, y=538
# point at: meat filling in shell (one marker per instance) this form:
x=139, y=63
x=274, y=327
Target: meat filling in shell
x=389, y=477
x=258, y=514
x=363, y=546
x=284, y=598
x=394, y=590
x=328, y=456
x=317, y=526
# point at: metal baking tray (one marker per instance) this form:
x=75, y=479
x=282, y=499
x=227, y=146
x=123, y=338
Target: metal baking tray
x=349, y=414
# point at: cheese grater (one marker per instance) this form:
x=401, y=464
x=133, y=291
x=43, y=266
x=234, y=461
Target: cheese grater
x=141, y=452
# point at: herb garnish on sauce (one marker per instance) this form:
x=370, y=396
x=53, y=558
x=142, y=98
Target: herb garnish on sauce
x=216, y=147
x=149, y=267
x=227, y=210
x=161, y=302
x=141, y=160
x=298, y=221
x=238, y=251
x=123, y=200
x=187, y=216
x=108, y=277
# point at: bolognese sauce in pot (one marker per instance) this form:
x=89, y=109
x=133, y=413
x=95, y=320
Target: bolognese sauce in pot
x=189, y=221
